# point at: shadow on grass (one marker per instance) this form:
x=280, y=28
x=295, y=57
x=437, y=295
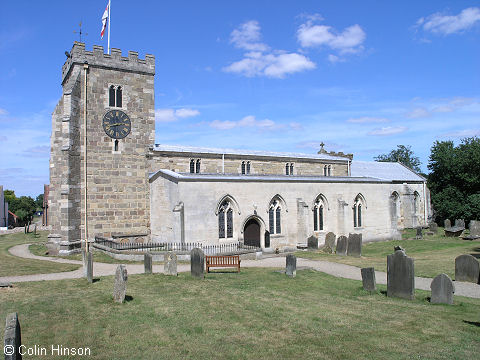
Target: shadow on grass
x=128, y=298
x=475, y=323
x=95, y=280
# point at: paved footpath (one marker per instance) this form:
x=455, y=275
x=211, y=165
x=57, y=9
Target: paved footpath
x=331, y=268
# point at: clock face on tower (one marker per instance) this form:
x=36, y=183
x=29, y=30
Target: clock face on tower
x=116, y=124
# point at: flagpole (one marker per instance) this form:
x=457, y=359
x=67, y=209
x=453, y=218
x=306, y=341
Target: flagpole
x=109, y=5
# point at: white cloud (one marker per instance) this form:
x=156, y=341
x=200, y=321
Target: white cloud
x=260, y=60
x=418, y=113
x=367, y=120
x=449, y=24
x=171, y=115
x=463, y=133
x=443, y=109
x=251, y=122
x=387, y=131
x=3, y=112
x=350, y=40
x=37, y=151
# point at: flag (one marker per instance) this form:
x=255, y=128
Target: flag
x=104, y=21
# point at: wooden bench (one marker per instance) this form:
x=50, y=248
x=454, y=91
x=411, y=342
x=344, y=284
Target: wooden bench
x=222, y=261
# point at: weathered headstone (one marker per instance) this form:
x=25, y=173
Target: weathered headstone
x=447, y=224
x=442, y=290
x=342, y=244
x=467, y=268
x=419, y=234
x=13, y=338
x=147, y=263
x=197, y=263
x=460, y=223
x=291, y=265
x=90, y=267
x=433, y=227
x=170, y=266
x=368, y=279
x=312, y=243
x=400, y=276
x=120, y=285
x=329, y=246
x=474, y=229
x=354, y=247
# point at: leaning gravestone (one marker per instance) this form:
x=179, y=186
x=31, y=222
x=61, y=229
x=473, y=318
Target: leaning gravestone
x=433, y=227
x=170, y=266
x=368, y=279
x=419, y=234
x=120, y=285
x=474, y=228
x=197, y=263
x=147, y=262
x=460, y=223
x=90, y=267
x=467, y=269
x=329, y=246
x=13, y=338
x=354, y=247
x=342, y=244
x=442, y=290
x=291, y=265
x=400, y=276
x=447, y=224
x=312, y=243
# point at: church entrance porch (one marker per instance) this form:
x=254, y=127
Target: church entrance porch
x=254, y=232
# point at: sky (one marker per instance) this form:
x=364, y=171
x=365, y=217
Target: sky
x=360, y=76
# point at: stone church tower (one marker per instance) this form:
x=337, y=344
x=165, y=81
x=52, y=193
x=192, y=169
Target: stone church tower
x=114, y=96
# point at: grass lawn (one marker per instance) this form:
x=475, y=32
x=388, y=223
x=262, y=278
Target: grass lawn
x=11, y=265
x=256, y=314
x=433, y=255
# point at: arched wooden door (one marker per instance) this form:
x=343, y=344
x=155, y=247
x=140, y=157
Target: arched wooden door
x=251, y=233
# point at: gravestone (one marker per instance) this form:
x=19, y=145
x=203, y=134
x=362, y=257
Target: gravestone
x=147, y=262
x=291, y=265
x=474, y=227
x=447, y=224
x=354, y=247
x=442, y=290
x=342, y=244
x=460, y=223
x=433, y=227
x=368, y=279
x=170, y=266
x=90, y=267
x=467, y=268
x=312, y=243
x=120, y=285
x=419, y=234
x=13, y=338
x=400, y=276
x=197, y=263
x=329, y=246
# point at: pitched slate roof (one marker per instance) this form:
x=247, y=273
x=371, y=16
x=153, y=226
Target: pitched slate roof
x=205, y=150
x=393, y=171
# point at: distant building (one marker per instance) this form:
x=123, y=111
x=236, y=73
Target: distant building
x=12, y=219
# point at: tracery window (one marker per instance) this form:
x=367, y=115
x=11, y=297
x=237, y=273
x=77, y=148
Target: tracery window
x=274, y=218
x=115, y=96
x=318, y=215
x=225, y=220
x=357, y=212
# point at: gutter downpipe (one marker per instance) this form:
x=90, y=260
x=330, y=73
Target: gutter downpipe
x=85, y=68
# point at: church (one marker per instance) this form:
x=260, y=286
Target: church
x=108, y=177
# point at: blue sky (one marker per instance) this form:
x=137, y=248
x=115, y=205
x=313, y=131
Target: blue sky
x=361, y=76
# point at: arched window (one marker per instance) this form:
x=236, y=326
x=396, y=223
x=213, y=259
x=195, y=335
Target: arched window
x=325, y=170
x=192, y=166
x=225, y=220
x=197, y=168
x=329, y=170
x=291, y=168
x=243, y=167
x=119, y=96
x=248, y=167
x=357, y=212
x=274, y=218
x=318, y=215
x=287, y=169
x=416, y=202
x=111, y=96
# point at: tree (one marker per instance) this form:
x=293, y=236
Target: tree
x=24, y=206
x=39, y=201
x=454, y=179
x=402, y=154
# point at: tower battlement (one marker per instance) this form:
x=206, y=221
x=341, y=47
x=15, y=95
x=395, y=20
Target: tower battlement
x=115, y=60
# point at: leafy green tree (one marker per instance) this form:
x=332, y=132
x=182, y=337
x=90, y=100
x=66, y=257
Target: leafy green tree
x=454, y=179
x=24, y=206
x=39, y=202
x=403, y=154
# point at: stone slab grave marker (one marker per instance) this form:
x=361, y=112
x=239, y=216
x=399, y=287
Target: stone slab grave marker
x=147, y=262
x=368, y=279
x=120, y=285
x=312, y=243
x=170, y=266
x=460, y=223
x=329, y=243
x=442, y=290
x=419, y=234
x=433, y=227
x=354, y=247
x=342, y=243
x=197, y=263
x=13, y=338
x=400, y=276
x=467, y=268
x=474, y=227
x=447, y=224
x=90, y=267
x=291, y=265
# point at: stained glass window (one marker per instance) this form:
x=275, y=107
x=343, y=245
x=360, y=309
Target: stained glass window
x=271, y=221
x=278, y=228
x=221, y=224
x=229, y=223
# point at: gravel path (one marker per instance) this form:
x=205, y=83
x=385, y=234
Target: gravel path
x=331, y=268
